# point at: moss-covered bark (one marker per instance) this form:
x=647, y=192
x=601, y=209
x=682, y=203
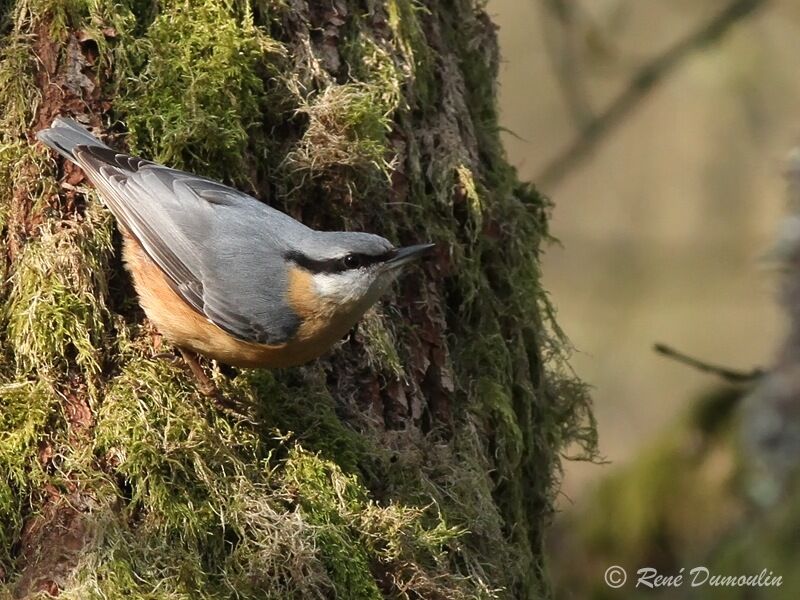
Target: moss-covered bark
x=419, y=459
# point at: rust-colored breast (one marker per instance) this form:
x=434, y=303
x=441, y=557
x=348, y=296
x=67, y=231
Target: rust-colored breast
x=188, y=329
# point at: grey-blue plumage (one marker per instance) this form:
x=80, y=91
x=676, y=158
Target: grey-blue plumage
x=223, y=251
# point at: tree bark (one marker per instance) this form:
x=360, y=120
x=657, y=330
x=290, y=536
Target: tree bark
x=419, y=459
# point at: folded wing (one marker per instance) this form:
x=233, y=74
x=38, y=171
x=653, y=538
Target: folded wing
x=221, y=249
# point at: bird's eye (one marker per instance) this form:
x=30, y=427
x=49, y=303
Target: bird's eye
x=352, y=261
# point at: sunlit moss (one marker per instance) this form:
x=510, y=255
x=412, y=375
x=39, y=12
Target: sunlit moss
x=27, y=408
x=360, y=540
x=19, y=97
x=292, y=495
x=25, y=177
x=295, y=526
x=56, y=309
x=404, y=19
x=381, y=344
x=303, y=408
x=209, y=519
x=346, y=135
x=198, y=89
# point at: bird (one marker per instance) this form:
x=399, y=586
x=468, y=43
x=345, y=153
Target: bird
x=222, y=274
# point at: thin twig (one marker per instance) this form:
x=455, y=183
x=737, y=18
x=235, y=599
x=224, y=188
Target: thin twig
x=730, y=375
x=642, y=83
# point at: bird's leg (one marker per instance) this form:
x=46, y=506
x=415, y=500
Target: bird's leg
x=207, y=387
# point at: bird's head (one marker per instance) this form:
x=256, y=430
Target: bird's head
x=352, y=269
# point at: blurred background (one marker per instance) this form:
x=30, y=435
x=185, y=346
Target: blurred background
x=662, y=130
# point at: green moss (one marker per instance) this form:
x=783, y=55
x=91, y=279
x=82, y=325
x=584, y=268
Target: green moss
x=301, y=495
x=56, y=311
x=465, y=180
x=153, y=427
x=495, y=398
x=380, y=344
x=528, y=401
x=345, y=136
x=25, y=177
x=272, y=557
x=19, y=96
x=330, y=498
x=241, y=531
x=410, y=39
x=198, y=88
x=344, y=148
x=303, y=408
x=23, y=172
x=27, y=408
x=457, y=478
x=369, y=549
x=57, y=15
x=208, y=521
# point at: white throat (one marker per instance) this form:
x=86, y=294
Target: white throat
x=353, y=287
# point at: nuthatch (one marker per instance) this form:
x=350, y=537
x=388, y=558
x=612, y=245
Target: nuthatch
x=223, y=275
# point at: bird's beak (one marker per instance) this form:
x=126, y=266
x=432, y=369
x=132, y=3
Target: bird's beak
x=407, y=254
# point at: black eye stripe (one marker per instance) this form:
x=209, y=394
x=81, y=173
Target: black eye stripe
x=337, y=265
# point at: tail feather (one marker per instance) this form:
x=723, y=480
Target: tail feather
x=64, y=135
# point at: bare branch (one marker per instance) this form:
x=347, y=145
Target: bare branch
x=729, y=375
x=642, y=83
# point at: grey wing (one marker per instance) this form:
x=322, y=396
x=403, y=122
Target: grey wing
x=216, y=245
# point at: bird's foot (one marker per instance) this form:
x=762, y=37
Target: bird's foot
x=170, y=357
x=207, y=387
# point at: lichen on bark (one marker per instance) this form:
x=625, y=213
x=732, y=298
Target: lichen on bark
x=419, y=459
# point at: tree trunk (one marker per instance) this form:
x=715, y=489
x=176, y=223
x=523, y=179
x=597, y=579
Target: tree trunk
x=419, y=458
